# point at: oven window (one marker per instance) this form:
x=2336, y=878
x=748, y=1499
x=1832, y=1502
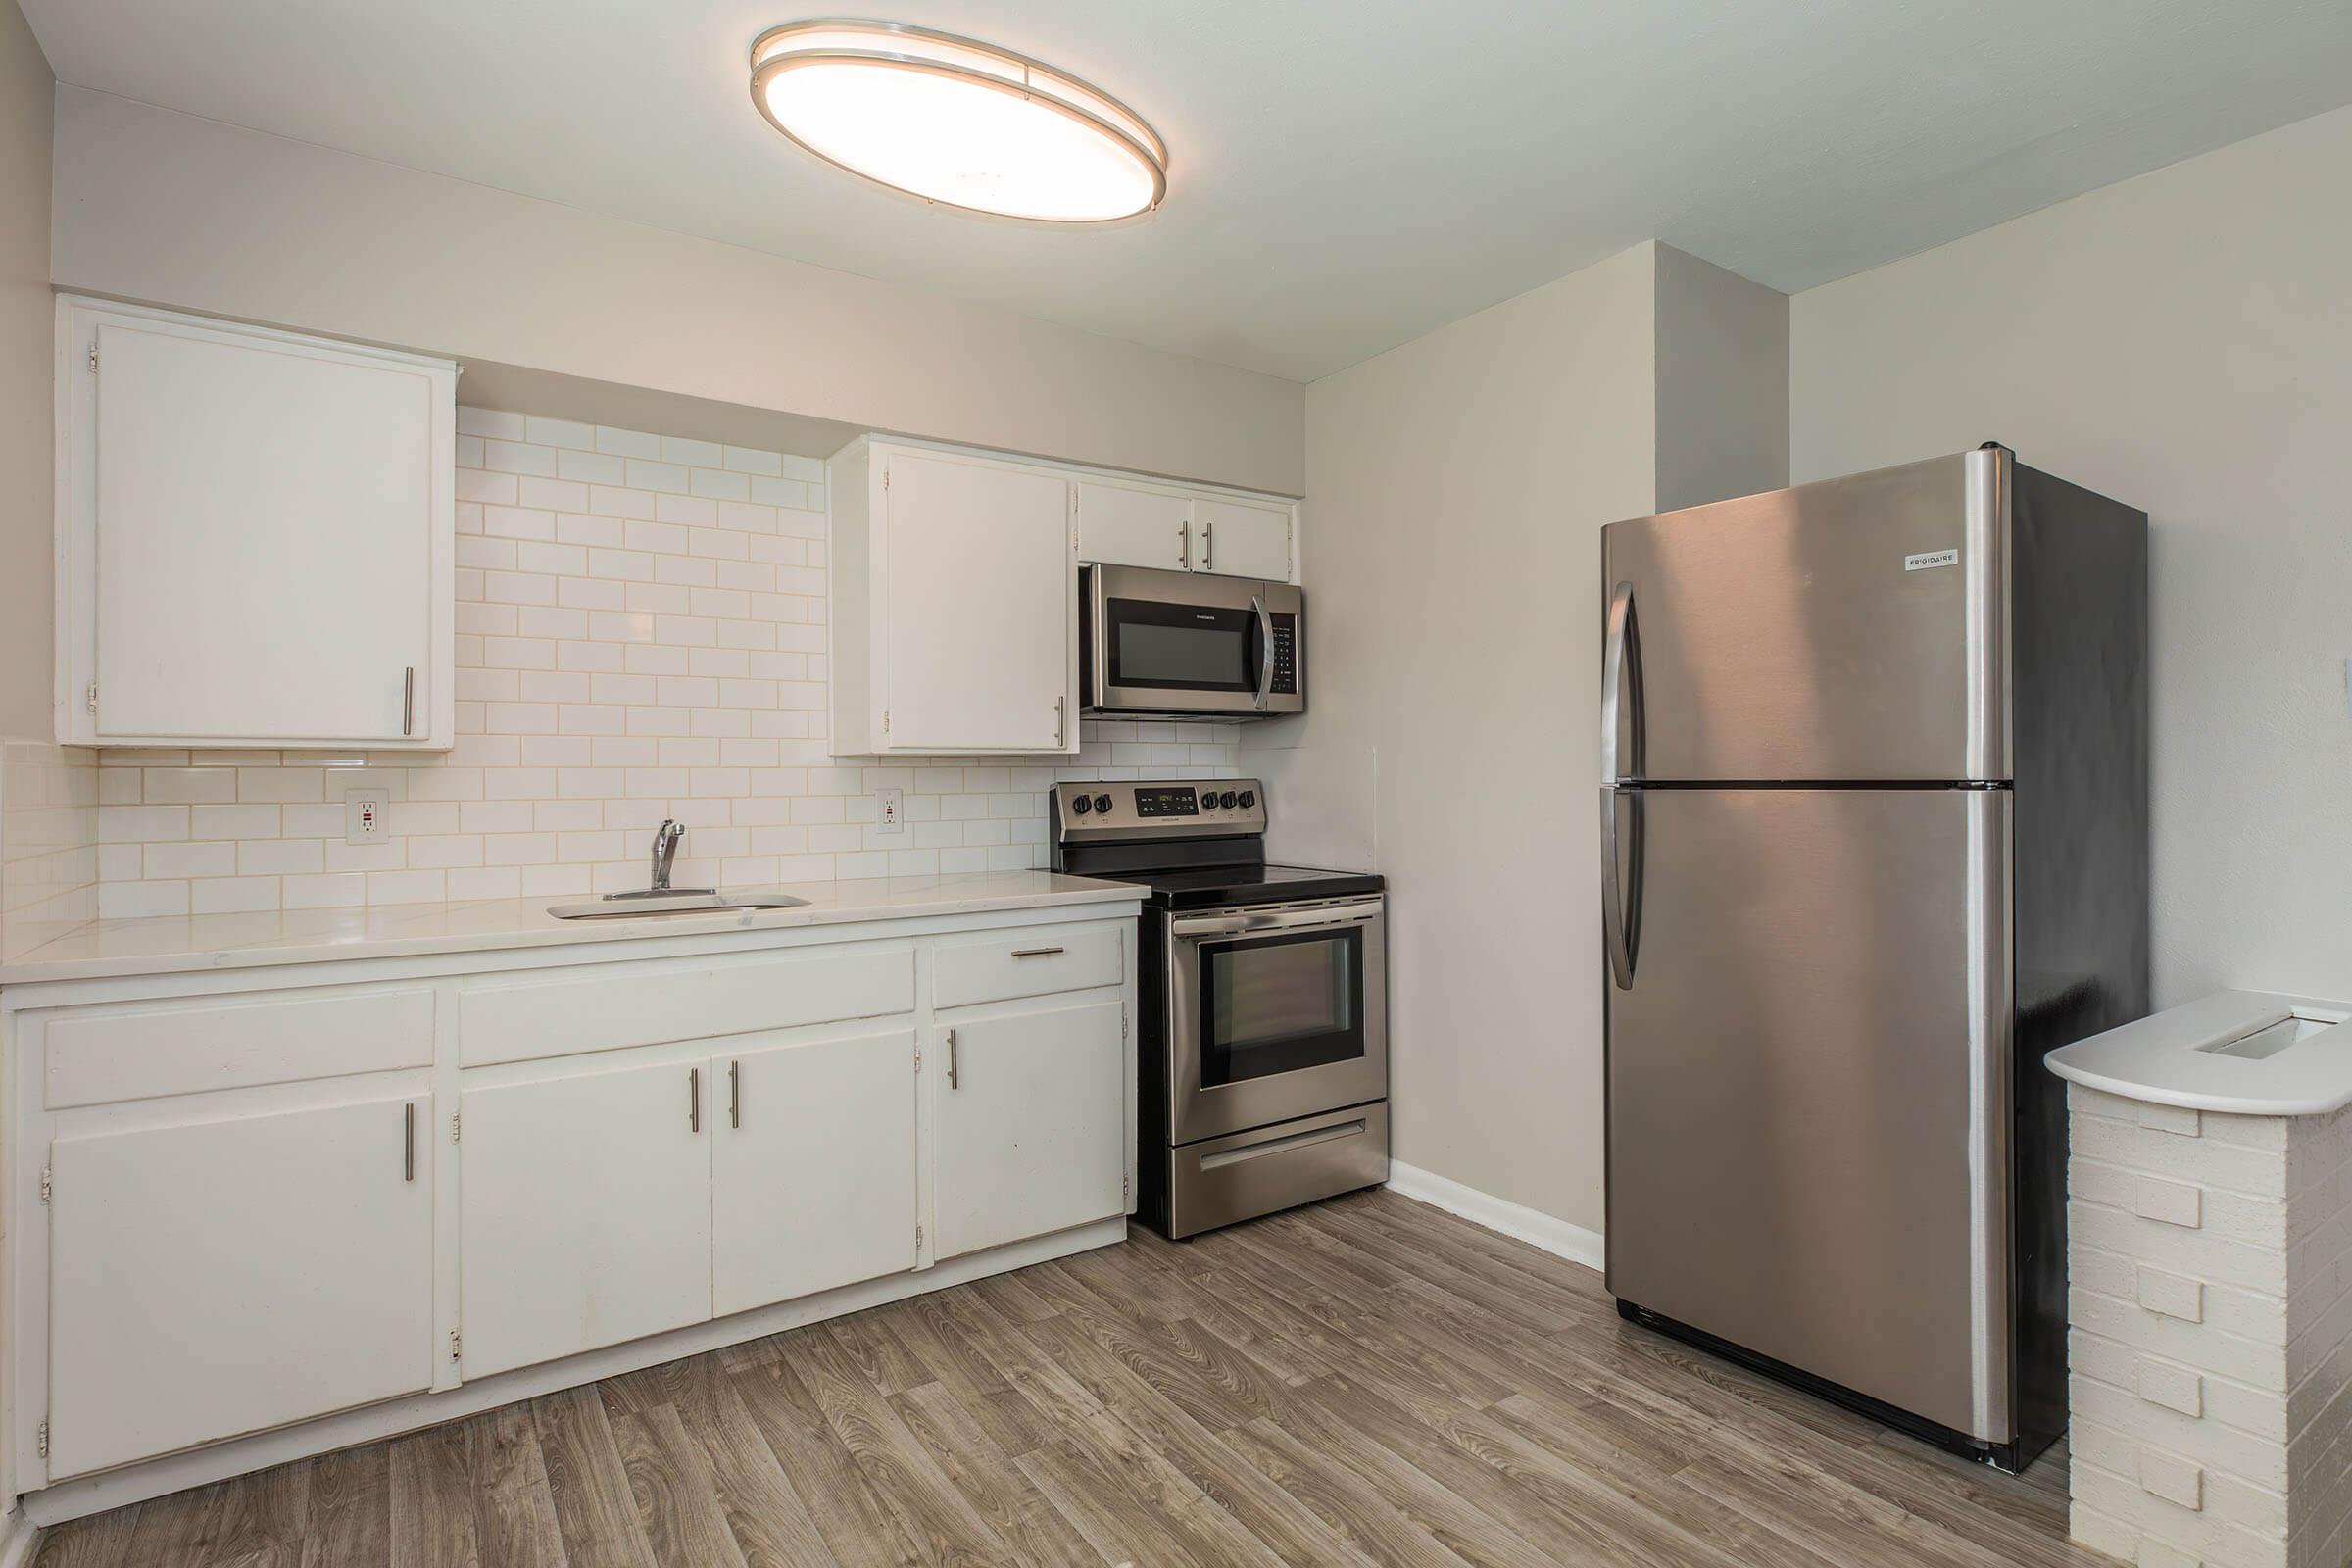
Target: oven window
x=1276, y=1004
x=1181, y=646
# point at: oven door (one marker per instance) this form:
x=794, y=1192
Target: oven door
x=1275, y=1013
x=1177, y=642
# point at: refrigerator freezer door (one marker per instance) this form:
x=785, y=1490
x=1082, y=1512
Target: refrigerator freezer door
x=1853, y=629
x=1807, y=1083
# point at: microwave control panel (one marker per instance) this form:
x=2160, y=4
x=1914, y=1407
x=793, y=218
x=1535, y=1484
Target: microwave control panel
x=1286, y=654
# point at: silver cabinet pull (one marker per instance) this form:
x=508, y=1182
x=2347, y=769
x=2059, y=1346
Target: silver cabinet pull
x=952, y=1062
x=1184, y=543
x=735, y=1093
x=694, y=1099
x=407, y=1142
x=1037, y=953
x=408, y=702
x=1208, y=547
x=1062, y=722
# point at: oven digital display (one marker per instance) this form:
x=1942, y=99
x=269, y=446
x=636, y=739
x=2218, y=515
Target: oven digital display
x=1168, y=802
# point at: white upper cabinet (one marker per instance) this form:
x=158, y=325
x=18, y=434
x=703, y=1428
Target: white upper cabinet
x=1242, y=538
x=1124, y=522
x=955, y=604
x=1129, y=526
x=256, y=537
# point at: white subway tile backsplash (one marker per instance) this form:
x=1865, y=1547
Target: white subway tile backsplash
x=558, y=434
x=641, y=635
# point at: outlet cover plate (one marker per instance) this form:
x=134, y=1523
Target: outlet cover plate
x=890, y=811
x=363, y=816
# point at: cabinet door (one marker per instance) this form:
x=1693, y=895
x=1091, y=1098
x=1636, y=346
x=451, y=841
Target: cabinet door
x=264, y=525
x=812, y=1166
x=1031, y=1124
x=1126, y=525
x=1241, y=539
x=215, y=1277
x=980, y=609
x=585, y=1218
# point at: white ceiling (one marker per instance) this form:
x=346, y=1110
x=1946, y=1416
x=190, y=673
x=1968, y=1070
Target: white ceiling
x=1345, y=174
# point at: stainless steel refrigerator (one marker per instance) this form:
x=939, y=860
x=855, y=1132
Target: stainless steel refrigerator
x=1874, y=840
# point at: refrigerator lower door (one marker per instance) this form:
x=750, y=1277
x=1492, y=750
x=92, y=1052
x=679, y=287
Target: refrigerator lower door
x=1808, y=1092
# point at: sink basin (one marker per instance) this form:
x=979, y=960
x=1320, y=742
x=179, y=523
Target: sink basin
x=644, y=906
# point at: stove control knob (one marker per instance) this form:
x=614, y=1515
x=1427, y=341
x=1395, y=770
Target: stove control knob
x=1249, y=798
x=1082, y=804
x=1102, y=803
x=1227, y=800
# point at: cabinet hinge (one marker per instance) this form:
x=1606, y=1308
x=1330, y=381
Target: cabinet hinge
x=1122, y=1020
x=453, y=1126
x=1124, y=1183
x=919, y=1061
x=93, y=356
x=41, y=1439
x=919, y=1241
x=47, y=1187
x=454, y=1345
x=90, y=696
x=886, y=721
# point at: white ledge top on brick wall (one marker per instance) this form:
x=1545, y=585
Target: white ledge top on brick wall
x=2170, y=1060
x=105, y=949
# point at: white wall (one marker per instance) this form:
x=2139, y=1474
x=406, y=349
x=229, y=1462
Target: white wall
x=1458, y=484
x=174, y=210
x=2183, y=342
x=25, y=376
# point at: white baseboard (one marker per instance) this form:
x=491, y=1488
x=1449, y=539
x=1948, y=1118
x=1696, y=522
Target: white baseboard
x=20, y=1539
x=1555, y=1236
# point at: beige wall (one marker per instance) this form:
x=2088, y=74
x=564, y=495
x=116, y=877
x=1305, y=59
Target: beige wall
x=178, y=210
x=25, y=377
x=1459, y=483
x=1722, y=383
x=2182, y=341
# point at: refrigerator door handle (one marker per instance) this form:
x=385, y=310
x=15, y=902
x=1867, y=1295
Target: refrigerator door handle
x=1621, y=882
x=1620, y=689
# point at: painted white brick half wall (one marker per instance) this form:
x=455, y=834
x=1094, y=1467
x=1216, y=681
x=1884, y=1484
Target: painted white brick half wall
x=2210, y=1346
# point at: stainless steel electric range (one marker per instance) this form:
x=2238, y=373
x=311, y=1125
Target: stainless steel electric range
x=1264, y=1071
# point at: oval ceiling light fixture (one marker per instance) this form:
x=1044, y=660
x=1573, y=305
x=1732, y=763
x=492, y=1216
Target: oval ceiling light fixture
x=957, y=122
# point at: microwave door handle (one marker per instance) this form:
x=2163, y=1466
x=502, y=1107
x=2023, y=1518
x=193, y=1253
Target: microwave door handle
x=1265, y=645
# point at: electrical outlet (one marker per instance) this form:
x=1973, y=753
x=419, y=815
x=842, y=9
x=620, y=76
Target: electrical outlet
x=363, y=815
x=890, y=811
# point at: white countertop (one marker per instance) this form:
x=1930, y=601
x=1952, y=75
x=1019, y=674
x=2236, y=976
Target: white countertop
x=178, y=944
x=2168, y=1058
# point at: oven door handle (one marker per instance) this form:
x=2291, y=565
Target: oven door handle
x=1210, y=925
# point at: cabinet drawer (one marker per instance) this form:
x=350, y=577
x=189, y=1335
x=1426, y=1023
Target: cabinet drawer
x=609, y=1007
x=1032, y=962
x=94, y=1056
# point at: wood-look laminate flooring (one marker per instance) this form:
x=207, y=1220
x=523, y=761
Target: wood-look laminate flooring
x=1366, y=1381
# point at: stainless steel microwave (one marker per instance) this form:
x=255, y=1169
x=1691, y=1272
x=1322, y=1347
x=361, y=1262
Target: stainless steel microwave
x=1186, y=645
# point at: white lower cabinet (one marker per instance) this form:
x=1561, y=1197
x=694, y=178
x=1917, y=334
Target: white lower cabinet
x=225, y=1214
x=812, y=1166
x=1030, y=1132
x=235, y=1271
x=585, y=1216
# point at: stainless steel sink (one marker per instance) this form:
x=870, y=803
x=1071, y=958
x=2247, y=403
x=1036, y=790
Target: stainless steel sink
x=643, y=906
